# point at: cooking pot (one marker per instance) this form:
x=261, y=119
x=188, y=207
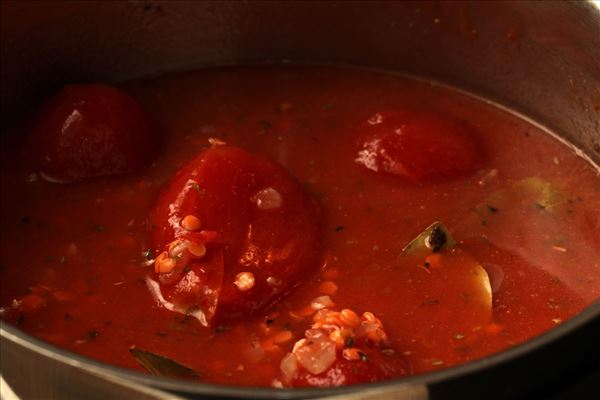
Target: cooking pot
x=541, y=59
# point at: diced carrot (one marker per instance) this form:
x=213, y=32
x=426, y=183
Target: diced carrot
x=377, y=336
x=352, y=354
x=302, y=313
x=368, y=317
x=337, y=338
x=282, y=337
x=191, y=223
x=196, y=249
x=164, y=264
x=349, y=318
x=328, y=287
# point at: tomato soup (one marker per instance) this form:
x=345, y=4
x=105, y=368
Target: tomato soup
x=339, y=226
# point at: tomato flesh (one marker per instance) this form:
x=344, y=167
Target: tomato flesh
x=375, y=366
x=417, y=145
x=265, y=223
x=88, y=131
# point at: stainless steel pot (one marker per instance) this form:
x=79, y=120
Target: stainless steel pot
x=540, y=58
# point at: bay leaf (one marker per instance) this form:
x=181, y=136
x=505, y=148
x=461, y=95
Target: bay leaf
x=160, y=365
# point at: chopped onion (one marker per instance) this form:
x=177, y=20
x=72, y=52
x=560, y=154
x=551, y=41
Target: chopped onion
x=322, y=302
x=289, y=367
x=255, y=352
x=298, y=344
x=316, y=355
x=154, y=288
x=244, y=281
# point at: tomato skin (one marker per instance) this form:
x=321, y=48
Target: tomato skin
x=278, y=246
x=376, y=367
x=91, y=130
x=418, y=145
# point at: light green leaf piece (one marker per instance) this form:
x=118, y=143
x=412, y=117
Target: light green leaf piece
x=546, y=195
x=539, y=193
x=469, y=275
x=433, y=239
x=160, y=365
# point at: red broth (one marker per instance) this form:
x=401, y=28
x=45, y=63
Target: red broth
x=79, y=247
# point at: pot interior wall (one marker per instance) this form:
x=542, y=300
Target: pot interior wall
x=540, y=58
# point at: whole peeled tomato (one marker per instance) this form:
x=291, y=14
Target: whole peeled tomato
x=418, y=145
x=88, y=131
x=249, y=209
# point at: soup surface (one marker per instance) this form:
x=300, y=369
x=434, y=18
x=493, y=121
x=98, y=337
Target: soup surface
x=81, y=266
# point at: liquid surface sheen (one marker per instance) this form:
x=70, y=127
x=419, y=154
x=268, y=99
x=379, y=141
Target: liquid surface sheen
x=528, y=215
